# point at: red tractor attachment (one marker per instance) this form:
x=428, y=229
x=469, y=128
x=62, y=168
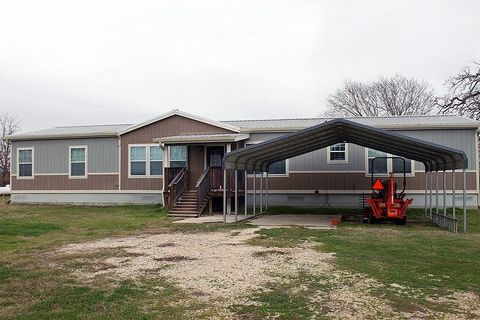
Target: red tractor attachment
x=385, y=203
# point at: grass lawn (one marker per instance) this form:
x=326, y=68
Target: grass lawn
x=420, y=258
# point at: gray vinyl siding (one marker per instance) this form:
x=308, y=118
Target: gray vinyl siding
x=462, y=139
x=51, y=156
x=454, y=138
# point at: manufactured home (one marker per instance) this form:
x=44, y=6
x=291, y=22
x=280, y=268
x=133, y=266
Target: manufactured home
x=176, y=159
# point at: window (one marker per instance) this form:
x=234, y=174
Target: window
x=384, y=166
x=275, y=168
x=337, y=153
x=78, y=162
x=146, y=160
x=178, y=156
x=279, y=167
x=25, y=163
x=156, y=161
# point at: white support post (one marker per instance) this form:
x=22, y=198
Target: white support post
x=464, y=200
x=246, y=186
x=266, y=192
x=224, y=196
x=436, y=194
x=431, y=190
x=426, y=188
x=254, y=192
x=236, y=195
x=444, y=192
x=261, y=192
x=453, y=193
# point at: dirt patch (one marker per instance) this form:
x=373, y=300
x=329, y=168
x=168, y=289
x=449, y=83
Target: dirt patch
x=175, y=259
x=221, y=269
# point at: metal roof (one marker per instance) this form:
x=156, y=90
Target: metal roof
x=198, y=138
x=71, y=132
x=390, y=122
x=258, y=157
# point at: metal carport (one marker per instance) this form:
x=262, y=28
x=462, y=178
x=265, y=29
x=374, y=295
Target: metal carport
x=435, y=157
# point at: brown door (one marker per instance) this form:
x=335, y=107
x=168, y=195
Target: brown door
x=196, y=159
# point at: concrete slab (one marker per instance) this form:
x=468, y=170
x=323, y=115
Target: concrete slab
x=303, y=220
x=216, y=218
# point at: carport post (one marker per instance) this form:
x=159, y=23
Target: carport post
x=444, y=192
x=431, y=189
x=266, y=192
x=236, y=195
x=464, y=200
x=426, y=186
x=453, y=193
x=224, y=196
x=261, y=192
x=246, y=186
x=254, y=191
x=436, y=194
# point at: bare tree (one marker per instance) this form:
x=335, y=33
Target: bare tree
x=464, y=95
x=394, y=96
x=8, y=126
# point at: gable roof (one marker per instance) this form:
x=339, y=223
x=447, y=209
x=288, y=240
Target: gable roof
x=177, y=112
x=258, y=157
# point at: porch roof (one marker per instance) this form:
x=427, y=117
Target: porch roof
x=202, y=138
x=258, y=157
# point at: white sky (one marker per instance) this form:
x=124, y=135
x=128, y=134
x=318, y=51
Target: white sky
x=94, y=61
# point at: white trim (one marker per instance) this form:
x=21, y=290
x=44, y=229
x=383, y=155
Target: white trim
x=87, y=191
x=66, y=174
x=389, y=166
x=85, y=162
x=327, y=171
x=477, y=180
x=147, y=161
x=18, y=164
x=177, y=112
x=203, y=138
x=321, y=192
x=329, y=161
x=119, y=163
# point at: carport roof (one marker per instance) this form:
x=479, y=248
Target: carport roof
x=258, y=157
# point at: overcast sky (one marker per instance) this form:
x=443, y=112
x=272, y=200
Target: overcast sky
x=92, y=62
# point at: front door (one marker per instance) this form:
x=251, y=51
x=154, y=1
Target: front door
x=196, y=159
x=214, y=156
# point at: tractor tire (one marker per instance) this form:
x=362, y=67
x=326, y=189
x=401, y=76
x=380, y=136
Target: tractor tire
x=401, y=222
x=371, y=218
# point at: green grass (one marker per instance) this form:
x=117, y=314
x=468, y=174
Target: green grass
x=420, y=256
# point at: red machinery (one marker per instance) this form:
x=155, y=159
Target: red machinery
x=385, y=202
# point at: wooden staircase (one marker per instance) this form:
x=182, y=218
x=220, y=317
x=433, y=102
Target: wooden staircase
x=187, y=205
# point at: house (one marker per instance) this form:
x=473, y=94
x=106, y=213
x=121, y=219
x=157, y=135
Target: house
x=176, y=159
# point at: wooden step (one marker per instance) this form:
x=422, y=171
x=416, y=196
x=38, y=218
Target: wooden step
x=183, y=215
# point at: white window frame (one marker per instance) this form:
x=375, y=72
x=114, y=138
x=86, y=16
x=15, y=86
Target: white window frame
x=389, y=166
x=147, y=160
x=329, y=161
x=287, y=164
x=70, y=162
x=18, y=163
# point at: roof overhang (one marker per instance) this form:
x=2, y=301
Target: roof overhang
x=202, y=138
x=258, y=157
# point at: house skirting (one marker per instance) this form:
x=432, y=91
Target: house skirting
x=345, y=200
x=88, y=198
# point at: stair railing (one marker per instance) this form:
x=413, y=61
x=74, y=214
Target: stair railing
x=203, y=187
x=177, y=187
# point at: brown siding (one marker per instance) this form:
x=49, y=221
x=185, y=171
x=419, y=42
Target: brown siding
x=355, y=181
x=175, y=125
x=62, y=182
